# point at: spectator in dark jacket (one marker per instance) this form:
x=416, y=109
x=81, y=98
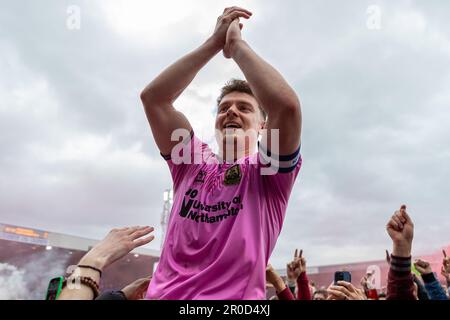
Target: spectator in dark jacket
x=432, y=285
x=420, y=292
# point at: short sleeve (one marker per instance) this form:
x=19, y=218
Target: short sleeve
x=277, y=175
x=186, y=157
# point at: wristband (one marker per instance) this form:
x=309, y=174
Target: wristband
x=87, y=281
x=90, y=267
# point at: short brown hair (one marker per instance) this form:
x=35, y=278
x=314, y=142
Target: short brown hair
x=238, y=86
x=322, y=292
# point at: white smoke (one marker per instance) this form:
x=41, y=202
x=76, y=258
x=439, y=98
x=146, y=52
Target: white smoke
x=12, y=283
x=28, y=279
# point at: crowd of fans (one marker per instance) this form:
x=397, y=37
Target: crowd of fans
x=402, y=282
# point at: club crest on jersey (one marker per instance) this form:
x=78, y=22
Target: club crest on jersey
x=233, y=176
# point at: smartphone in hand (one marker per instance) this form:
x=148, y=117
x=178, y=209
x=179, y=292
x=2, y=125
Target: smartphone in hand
x=342, y=276
x=54, y=288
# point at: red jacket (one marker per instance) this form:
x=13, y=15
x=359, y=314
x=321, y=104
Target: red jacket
x=286, y=294
x=400, y=280
x=303, y=287
x=303, y=290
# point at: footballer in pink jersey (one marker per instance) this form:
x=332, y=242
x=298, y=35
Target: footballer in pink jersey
x=229, y=207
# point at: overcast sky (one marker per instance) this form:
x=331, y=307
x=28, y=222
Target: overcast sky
x=77, y=155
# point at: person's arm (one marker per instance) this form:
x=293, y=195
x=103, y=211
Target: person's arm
x=112, y=295
x=298, y=267
x=292, y=273
x=273, y=278
x=74, y=289
x=445, y=269
x=137, y=289
x=117, y=244
x=271, y=90
x=285, y=294
x=158, y=97
x=446, y=276
x=134, y=291
x=365, y=284
x=303, y=287
x=344, y=291
x=446, y=263
x=432, y=285
x=400, y=282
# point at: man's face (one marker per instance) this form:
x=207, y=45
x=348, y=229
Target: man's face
x=238, y=113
